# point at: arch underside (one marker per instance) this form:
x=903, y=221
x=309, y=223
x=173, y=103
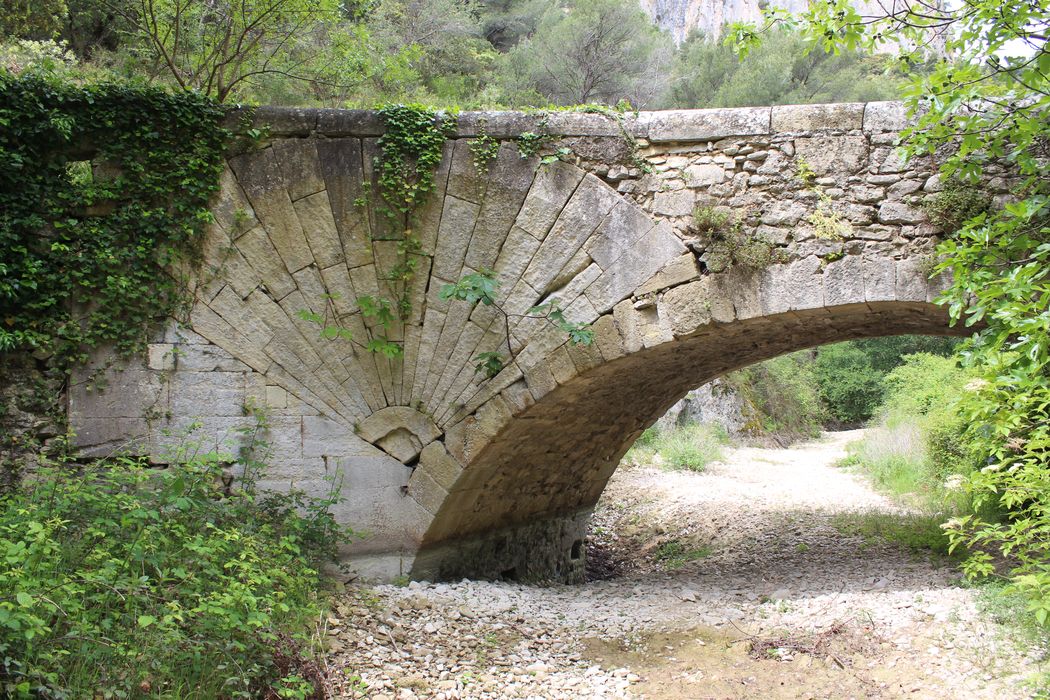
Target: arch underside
x=521, y=508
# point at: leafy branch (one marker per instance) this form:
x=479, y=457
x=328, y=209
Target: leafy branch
x=481, y=288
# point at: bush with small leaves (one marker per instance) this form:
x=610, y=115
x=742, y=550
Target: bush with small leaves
x=121, y=580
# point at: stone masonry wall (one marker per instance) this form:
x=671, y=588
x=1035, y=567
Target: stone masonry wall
x=495, y=476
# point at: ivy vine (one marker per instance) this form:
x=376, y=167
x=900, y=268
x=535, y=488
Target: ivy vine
x=87, y=241
x=410, y=151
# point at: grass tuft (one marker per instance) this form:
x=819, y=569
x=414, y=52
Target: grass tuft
x=690, y=447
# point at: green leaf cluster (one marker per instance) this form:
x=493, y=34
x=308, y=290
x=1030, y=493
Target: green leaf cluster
x=410, y=150
x=121, y=580
x=983, y=111
x=104, y=195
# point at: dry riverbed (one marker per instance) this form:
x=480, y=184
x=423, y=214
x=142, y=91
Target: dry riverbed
x=749, y=580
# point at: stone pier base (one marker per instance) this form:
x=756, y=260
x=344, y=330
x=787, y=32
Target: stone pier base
x=549, y=550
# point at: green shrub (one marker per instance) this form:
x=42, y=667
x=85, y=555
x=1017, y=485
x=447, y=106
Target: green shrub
x=691, y=447
x=727, y=243
x=674, y=554
x=780, y=397
x=955, y=204
x=850, y=375
x=920, y=451
x=849, y=385
x=119, y=580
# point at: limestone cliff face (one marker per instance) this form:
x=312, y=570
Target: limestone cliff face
x=679, y=17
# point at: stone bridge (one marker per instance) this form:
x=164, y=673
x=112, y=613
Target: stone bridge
x=447, y=472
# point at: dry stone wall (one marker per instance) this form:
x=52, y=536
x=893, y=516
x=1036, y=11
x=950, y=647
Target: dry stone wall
x=448, y=472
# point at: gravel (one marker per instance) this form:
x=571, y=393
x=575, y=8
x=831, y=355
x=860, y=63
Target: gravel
x=769, y=558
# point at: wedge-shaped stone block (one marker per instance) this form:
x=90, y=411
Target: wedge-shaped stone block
x=299, y=166
x=315, y=215
x=465, y=440
x=687, y=308
x=591, y=202
x=231, y=208
x=844, y=281
x=504, y=192
x=439, y=465
x=607, y=337
x=678, y=271
x=641, y=261
x=623, y=225
x=912, y=279
x=341, y=167
x=217, y=329
x=457, y=227
x=426, y=492
x=796, y=285
x=880, y=279
x=257, y=250
x=262, y=181
x=464, y=180
x=552, y=187
x=514, y=257
x=400, y=431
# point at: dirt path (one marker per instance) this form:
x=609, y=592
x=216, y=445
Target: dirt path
x=754, y=579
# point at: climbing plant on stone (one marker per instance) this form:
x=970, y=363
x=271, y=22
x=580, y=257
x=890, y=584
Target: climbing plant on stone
x=91, y=245
x=481, y=288
x=410, y=151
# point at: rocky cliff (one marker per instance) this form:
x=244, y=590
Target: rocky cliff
x=679, y=17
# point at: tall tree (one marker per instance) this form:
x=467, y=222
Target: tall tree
x=594, y=51
x=219, y=46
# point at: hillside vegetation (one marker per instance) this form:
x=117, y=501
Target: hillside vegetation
x=448, y=53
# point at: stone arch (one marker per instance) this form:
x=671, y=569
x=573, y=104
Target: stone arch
x=608, y=233
x=534, y=472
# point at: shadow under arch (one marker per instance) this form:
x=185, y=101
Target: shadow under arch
x=520, y=508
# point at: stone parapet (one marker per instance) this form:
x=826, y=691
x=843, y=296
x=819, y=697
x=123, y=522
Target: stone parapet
x=680, y=125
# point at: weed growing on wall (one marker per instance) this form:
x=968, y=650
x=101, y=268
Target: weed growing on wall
x=727, y=243
x=103, y=196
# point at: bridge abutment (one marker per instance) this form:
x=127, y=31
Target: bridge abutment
x=548, y=549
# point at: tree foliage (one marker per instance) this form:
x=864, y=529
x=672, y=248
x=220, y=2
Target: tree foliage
x=214, y=47
x=780, y=71
x=986, y=104
x=594, y=51
x=851, y=376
